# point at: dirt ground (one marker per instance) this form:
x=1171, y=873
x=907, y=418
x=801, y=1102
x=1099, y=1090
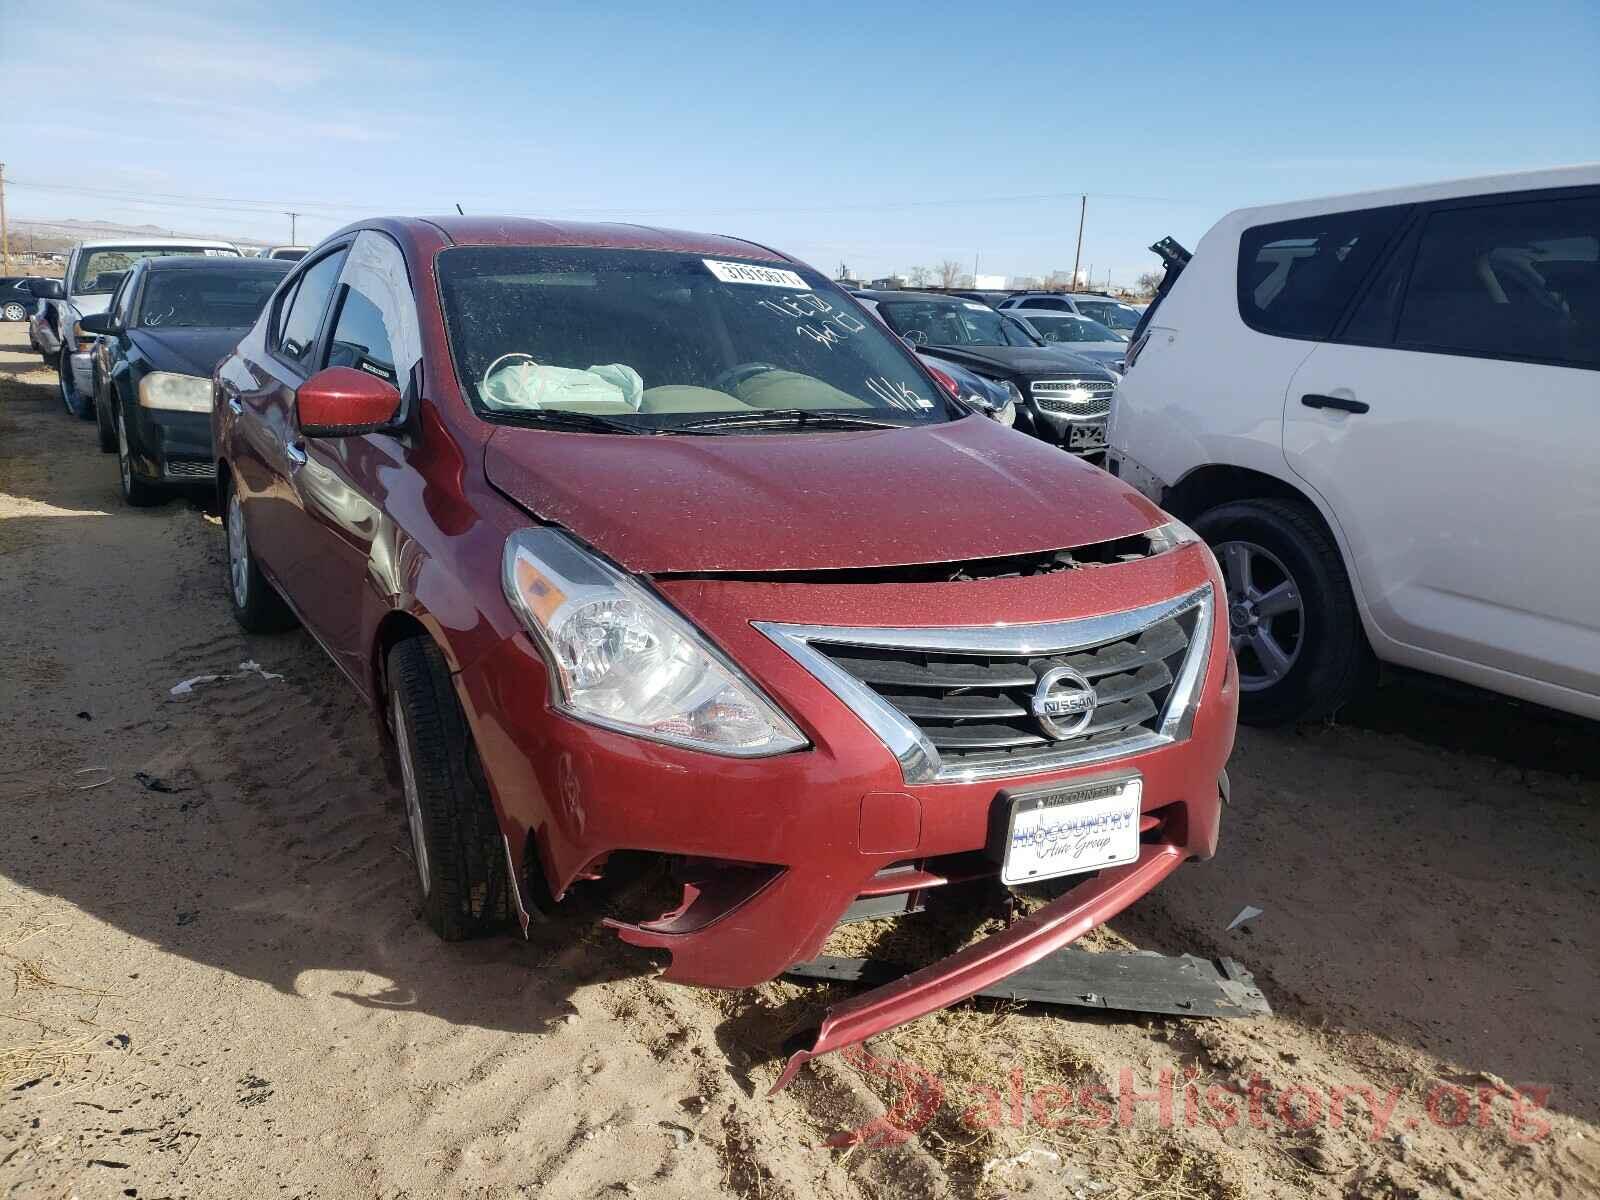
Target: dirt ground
x=213, y=983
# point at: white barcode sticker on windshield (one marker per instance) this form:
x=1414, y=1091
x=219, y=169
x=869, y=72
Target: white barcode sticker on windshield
x=738, y=272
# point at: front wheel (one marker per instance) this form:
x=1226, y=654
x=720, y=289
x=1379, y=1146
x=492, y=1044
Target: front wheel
x=1291, y=615
x=256, y=606
x=135, y=491
x=455, y=838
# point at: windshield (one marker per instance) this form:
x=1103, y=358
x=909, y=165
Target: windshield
x=652, y=341
x=227, y=297
x=99, y=271
x=951, y=323
x=1122, y=317
x=1063, y=327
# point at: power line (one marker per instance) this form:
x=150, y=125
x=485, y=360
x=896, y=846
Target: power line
x=278, y=207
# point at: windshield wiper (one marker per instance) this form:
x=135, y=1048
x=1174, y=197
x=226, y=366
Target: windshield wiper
x=784, y=416
x=558, y=418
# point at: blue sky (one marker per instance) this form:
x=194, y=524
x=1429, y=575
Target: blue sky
x=882, y=135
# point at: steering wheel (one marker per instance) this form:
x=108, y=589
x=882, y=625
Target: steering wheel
x=730, y=379
x=915, y=337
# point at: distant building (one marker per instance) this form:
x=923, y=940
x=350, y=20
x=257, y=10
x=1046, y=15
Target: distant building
x=888, y=283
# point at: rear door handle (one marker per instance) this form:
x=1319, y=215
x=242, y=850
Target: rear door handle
x=1312, y=400
x=296, y=456
x=235, y=407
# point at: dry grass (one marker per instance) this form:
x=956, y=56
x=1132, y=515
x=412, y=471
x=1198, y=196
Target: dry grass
x=50, y=1049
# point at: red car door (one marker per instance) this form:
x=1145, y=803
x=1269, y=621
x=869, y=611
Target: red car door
x=268, y=449
x=343, y=485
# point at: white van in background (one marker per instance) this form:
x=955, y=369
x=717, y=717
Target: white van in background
x=1383, y=412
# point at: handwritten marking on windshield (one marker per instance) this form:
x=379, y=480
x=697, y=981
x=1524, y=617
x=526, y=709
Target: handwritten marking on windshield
x=897, y=394
x=822, y=322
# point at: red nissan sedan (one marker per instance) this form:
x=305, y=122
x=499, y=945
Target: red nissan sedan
x=656, y=542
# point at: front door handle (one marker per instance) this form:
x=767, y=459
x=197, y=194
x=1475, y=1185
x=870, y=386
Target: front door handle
x=296, y=456
x=235, y=407
x=1312, y=400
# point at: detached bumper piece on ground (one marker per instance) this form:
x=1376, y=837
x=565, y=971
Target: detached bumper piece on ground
x=1183, y=985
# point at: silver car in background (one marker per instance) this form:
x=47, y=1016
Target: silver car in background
x=1083, y=337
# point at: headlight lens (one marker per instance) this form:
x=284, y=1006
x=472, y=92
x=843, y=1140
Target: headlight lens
x=177, y=393
x=1170, y=536
x=624, y=660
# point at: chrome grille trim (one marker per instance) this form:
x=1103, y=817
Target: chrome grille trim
x=920, y=761
x=1051, y=396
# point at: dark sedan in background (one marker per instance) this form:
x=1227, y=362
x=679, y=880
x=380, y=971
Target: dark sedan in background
x=170, y=322
x=16, y=297
x=1062, y=398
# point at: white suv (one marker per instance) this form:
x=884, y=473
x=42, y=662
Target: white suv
x=1383, y=412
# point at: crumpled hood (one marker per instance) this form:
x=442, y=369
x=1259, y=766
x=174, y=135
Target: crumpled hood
x=1022, y=360
x=186, y=351
x=813, y=501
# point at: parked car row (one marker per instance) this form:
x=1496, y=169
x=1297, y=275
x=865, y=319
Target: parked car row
x=654, y=546
x=1061, y=397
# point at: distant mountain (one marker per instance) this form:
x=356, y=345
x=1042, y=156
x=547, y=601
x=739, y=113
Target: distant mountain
x=54, y=234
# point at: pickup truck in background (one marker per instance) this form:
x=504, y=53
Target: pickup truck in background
x=93, y=271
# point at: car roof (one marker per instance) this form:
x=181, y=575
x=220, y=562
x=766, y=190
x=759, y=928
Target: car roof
x=528, y=231
x=196, y=262
x=1047, y=312
x=1581, y=175
x=882, y=294
x=141, y=243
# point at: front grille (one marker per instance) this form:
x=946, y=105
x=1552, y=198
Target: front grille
x=190, y=468
x=1079, y=398
x=959, y=703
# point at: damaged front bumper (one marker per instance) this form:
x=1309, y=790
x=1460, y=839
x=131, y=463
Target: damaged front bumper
x=776, y=851
x=969, y=971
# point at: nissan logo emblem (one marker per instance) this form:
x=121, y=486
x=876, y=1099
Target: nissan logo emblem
x=1063, y=703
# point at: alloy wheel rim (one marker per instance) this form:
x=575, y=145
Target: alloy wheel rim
x=238, y=551
x=1266, y=613
x=408, y=780
x=14, y=312
x=124, y=465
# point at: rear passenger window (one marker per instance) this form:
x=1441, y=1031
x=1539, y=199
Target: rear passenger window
x=1514, y=280
x=1296, y=277
x=298, y=336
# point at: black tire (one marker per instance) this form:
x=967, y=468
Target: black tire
x=102, y=418
x=1332, y=661
x=456, y=847
x=256, y=605
x=135, y=491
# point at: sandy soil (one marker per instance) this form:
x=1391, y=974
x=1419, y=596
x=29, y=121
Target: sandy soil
x=220, y=989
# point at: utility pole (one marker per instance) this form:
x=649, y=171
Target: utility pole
x=292, y=218
x=5, y=234
x=1083, y=211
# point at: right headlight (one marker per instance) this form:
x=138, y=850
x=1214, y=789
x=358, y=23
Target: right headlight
x=174, y=392
x=623, y=659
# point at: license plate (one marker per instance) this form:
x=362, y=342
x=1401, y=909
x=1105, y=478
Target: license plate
x=1086, y=437
x=1073, y=829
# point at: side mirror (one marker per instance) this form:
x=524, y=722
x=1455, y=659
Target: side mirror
x=345, y=402
x=48, y=289
x=101, y=323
